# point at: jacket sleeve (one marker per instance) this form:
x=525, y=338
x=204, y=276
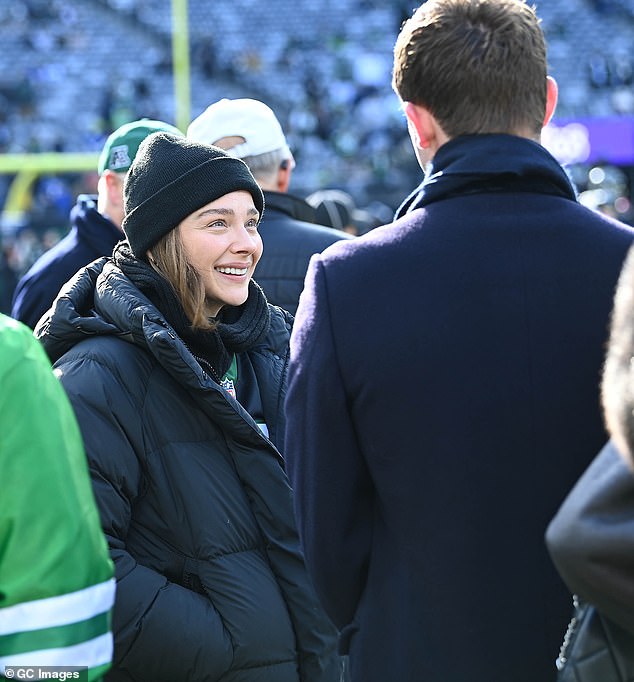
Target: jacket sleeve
x=56, y=584
x=591, y=538
x=162, y=630
x=30, y=301
x=333, y=492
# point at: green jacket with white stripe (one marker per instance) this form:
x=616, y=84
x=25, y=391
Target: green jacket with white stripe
x=56, y=584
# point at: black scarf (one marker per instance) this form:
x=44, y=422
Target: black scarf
x=239, y=327
x=471, y=164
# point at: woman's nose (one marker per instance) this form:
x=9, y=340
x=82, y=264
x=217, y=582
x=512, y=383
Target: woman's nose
x=246, y=240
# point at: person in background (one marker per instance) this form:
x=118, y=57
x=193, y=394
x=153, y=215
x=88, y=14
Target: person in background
x=95, y=225
x=249, y=130
x=591, y=538
x=8, y=279
x=443, y=384
x=337, y=209
x=56, y=584
x=176, y=367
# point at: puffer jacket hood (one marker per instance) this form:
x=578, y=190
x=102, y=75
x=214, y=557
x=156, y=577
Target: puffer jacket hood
x=101, y=301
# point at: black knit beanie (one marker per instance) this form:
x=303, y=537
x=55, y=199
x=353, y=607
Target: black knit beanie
x=170, y=178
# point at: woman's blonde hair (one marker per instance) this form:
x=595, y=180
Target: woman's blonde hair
x=169, y=258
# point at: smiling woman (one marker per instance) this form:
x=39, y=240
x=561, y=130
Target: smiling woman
x=176, y=367
x=223, y=246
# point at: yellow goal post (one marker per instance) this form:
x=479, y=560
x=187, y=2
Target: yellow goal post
x=27, y=167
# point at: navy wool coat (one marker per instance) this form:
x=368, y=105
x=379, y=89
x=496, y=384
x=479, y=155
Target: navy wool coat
x=443, y=399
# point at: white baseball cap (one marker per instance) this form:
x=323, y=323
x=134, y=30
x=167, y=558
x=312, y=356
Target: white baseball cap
x=248, y=118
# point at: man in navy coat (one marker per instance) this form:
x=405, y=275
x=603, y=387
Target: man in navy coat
x=95, y=224
x=444, y=378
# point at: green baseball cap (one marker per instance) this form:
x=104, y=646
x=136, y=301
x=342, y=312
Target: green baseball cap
x=122, y=145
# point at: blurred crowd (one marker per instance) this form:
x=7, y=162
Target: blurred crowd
x=303, y=472
x=325, y=70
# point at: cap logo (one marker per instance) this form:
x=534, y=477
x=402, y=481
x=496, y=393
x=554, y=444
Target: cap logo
x=119, y=157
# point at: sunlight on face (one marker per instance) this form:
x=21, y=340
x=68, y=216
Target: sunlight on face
x=223, y=244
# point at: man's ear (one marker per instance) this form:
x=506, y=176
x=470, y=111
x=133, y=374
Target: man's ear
x=552, y=92
x=114, y=185
x=420, y=125
x=284, y=176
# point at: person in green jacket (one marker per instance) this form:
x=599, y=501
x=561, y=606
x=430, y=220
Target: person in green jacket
x=56, y=577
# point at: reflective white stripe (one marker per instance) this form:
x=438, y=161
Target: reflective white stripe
x=54, y=611
x=94, y=652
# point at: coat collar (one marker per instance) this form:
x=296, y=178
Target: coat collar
x=290, y=205
x=471, y=164
x=92, y=227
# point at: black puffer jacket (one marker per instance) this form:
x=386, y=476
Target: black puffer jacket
x=194, y=501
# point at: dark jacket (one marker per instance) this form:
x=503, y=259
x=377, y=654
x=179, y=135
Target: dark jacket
x=91, y=235
x=458, y=355
x=591, y=539
x=194, y=501
x=290, y=239
x=8, y=282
